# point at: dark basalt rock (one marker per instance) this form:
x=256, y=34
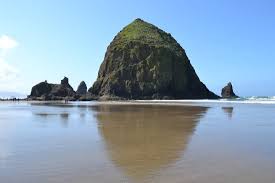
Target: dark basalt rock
x=82, y=89
x=227, y=91
x=144, y=62
x=65, y=81
x=48, y=91
x=43, y=88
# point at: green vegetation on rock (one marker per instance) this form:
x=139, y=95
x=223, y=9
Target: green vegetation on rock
x=145, y=33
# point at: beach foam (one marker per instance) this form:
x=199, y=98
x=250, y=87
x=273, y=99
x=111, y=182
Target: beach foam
x=246, y=100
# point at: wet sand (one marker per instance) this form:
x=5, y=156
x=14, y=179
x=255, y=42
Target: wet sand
x=137, y=142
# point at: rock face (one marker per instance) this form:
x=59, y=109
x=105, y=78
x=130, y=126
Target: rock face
x=144, y=62
x=82, y=89
x=48, y=91
x=227, y=91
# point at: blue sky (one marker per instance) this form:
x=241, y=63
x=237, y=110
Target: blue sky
x=231, y=40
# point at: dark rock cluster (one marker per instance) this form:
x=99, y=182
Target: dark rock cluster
x=49, y=91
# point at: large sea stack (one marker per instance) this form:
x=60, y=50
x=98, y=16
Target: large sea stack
x=49, y=91
x=144, y=62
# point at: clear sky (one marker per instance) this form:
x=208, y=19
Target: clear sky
x=226, y=40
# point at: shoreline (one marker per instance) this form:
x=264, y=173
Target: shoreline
x=153, y=102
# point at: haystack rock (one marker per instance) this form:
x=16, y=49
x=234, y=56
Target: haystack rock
x=227, y=91
x=144, y=62
x=81, y=89
x=49, y=91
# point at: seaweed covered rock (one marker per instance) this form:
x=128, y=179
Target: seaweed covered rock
x=49, y=91
x=144, y=62
x=227, y=91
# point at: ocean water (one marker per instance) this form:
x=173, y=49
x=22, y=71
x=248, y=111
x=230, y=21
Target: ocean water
x=242, y=100
x=139, y=141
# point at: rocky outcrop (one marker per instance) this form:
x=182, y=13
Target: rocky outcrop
x=144, y=62
x=82, y=89
x=41, y=89
x=227, y=91
x=82, y=94
x=48, y=91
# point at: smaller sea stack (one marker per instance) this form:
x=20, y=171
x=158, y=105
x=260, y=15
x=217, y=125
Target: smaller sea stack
x=228, y=92
x=82, y=89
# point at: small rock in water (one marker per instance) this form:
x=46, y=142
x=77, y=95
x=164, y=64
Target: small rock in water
x=227, y=91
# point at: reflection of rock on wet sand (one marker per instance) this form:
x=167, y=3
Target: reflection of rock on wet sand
x=63, y=116
x=141, y=139
x=228, y=111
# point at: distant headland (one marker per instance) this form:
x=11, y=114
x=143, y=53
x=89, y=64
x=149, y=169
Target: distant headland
x=142, y=62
